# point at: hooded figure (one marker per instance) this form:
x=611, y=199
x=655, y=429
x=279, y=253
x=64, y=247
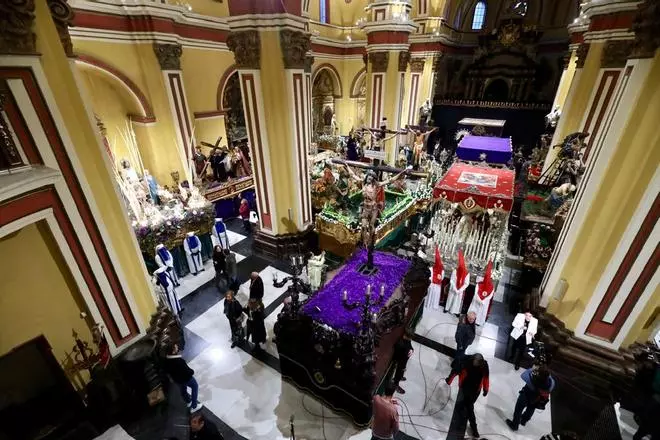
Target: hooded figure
x=164, y=259
x=219, y=232
x=483, y=297
x=459, y=281
x=193, y=247
x=435, y=289
x=167, y=288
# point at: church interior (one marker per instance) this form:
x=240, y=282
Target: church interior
x=256, y=219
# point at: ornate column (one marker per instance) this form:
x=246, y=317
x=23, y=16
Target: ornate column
x=388, y=28
x=414, y=101
x=279, y=145
x=169, y=59
x=614, y=116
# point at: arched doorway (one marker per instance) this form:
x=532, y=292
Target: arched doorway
x=323, y=104
x=232, y=103
x=497, y=90
x=360, y=96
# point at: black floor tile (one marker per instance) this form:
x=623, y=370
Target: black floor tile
x=199, y=302
x=194, y=345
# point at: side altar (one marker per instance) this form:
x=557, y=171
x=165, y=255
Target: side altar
x=338, y=344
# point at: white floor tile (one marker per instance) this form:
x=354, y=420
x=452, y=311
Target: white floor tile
x=234, y=237
x=271, y=293
x=191, y=282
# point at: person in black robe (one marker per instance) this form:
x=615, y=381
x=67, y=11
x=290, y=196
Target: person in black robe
x=352, y=147
x=255, y=324
x=234, y=313
x=218, y=165
x=256, y=287
x=402, y=351
x=220, y=265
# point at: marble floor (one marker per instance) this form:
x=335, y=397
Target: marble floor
x=246, y=393
x=243, y=392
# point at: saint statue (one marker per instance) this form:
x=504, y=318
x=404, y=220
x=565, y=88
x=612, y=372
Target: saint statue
x=425, y=113
x=373, y=203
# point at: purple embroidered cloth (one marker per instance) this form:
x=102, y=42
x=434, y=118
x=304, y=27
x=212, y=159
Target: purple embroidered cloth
x=391, y=271
x=496, y=149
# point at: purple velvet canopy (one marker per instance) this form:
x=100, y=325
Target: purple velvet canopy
x=496, y=149
x=391, y=271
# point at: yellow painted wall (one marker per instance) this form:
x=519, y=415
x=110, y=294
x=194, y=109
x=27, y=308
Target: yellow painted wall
x=627, y=177
x=63, y=86
x=138, y=62
x=110, y=106
x=202, y=70
x=208, y=130
x=565, y=83
x=209, y=7
x=49, y=303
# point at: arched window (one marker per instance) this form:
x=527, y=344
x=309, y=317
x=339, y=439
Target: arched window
x=479, y=16
x=324, y=11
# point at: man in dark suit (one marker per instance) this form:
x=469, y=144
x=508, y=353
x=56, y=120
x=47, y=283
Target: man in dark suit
x=256, y=286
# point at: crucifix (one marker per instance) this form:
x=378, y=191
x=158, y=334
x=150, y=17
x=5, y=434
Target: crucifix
x=373, y=203
x=378, y=137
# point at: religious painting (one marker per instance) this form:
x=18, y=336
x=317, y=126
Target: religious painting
x=478, y=179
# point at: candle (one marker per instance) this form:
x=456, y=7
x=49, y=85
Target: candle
x=345, y=295
x=374, y=317
x=368, y=289
x=290, y=214
x=382, y=291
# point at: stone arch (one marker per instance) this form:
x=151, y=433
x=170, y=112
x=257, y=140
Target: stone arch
x=222, y=85
x=355, y=84
x=145, y=112
x=334, y=74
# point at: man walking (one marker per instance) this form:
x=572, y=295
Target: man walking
x=472, y=380
x=534, y=395
x=465, y=332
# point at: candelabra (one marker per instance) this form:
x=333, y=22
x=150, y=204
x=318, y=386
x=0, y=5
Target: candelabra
x=368, y=298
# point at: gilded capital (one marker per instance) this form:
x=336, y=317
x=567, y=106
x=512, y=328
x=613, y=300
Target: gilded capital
x=16, y=21
x=581, y=55
x=379, y=61
x=404, y=59
x=246, y=47
x=63, y=17
x=295, y=45
x=169, y=56
x=417, y=65
x=616, y=53
x=645, y=26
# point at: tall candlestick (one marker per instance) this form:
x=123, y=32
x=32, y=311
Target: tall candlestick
x=345, y=295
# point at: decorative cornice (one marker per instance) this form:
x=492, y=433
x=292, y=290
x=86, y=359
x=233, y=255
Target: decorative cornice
x=294, y=46
x=246, y=47
x=615, y=54
x=404, y=59
x=581, y=55
x=16, y=20
x=379, y=61
x=309, y=61
x=63, y=17
x=646, y=25
x=169, y=56
x=417, y=65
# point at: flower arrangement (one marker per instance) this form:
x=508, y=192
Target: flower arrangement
x=171, y=230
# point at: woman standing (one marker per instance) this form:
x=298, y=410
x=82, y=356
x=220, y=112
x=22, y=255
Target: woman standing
x=220, y=265
x=255, y=324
